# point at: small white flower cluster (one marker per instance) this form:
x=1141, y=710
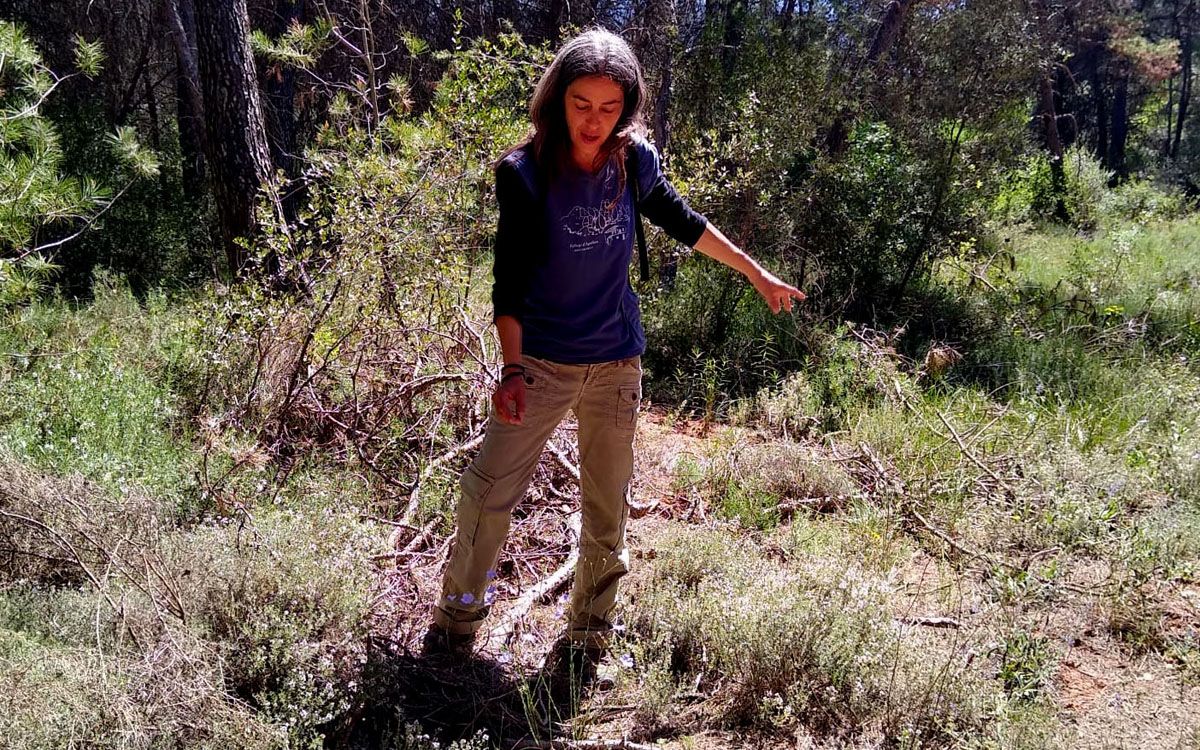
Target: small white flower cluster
x=417, y=739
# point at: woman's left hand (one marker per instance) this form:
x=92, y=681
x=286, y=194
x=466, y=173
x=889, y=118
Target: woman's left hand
x=777, y=294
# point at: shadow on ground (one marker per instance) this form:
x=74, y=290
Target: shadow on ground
x=455, y=697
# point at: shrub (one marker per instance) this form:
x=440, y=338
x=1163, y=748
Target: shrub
x=748, y=481
x=1026, y=666
x=1029, y=193
x=1091, y=199
x=68, y=531
x=280, y=607
x=287, y=607
x=859, y=234
x=380, y=355
x=844, y=376
x=1143, y=200
x=169, y=695
x=813, y=646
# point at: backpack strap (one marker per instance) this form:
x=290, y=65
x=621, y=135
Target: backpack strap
x=631, y=176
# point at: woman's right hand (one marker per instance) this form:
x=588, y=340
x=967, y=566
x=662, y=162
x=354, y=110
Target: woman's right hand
x=509, y=400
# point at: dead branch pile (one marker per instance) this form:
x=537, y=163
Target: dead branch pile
x=67, y=531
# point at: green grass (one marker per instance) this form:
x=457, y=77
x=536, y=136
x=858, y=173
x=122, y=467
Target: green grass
x=95, y=391
x=1068, y=437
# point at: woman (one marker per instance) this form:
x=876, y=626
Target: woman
x=569, y=327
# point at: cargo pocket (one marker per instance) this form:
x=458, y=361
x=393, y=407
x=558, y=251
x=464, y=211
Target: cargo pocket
x=629, y=398
x=476, y=486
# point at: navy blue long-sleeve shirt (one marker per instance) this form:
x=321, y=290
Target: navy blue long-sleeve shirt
x=562, y=255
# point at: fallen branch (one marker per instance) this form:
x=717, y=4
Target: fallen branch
x=931, y=622
x=956, y=438
x=949, y=540
x=563, y=460
x=896, y=481
x=821, y=504
x=389, y=522
x=911, y=510
x=504, y=628
x=582, y=745
x=414, y=497
x=573, y=470
x=971, y=456
x=413, y=545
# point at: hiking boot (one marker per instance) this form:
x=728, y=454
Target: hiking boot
x=438, y=640
x=574, y=661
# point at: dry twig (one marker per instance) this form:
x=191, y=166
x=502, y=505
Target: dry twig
x=414, y=497
x=563, y=744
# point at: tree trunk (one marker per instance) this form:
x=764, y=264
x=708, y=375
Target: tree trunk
x=889, y=29
x=553, y=22
x=1166, y=149
x=1049, y=115
x=128, y=102
x=279, y=86
x=890, y=25
x=180, y=20
x=735, y=32
x=1120, y=124
x=669, y=267
x=662, y=107
x=1046, y=109
x=918, y=252
x=1185, y=88
x=155, y=133
x=238, y=160
x=1101, y=112
x=789, y=10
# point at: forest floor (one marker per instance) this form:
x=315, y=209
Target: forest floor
x=1098, y=692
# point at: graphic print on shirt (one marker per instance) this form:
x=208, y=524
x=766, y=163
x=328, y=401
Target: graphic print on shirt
x=593, y=226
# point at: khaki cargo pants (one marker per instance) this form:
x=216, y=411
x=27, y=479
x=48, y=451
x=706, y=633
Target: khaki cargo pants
x=605, y=398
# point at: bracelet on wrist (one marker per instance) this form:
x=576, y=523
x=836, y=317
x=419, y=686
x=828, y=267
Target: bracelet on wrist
x=513, y=374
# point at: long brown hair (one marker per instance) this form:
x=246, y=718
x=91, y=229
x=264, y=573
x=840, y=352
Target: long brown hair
x=596, y=51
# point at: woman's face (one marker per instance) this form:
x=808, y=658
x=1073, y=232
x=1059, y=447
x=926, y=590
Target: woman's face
x=594, y=105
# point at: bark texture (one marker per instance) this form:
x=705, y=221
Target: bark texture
x=236, y=143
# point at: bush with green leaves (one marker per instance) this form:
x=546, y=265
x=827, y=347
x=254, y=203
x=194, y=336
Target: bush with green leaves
x=1026, y=666
x=1143, y=200
x=859, y=234
x=1089, y=196
x=844, y=376
x=379, y=354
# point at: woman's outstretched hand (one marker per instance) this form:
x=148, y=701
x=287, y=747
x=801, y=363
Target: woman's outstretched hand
x=717, y=246
x=509, y=400
x=777, y=294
